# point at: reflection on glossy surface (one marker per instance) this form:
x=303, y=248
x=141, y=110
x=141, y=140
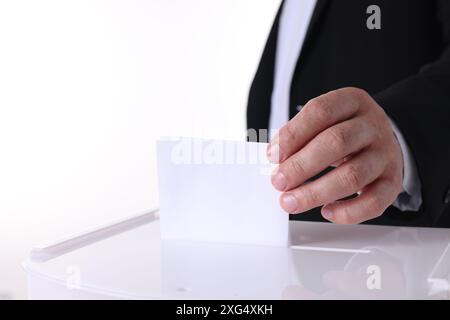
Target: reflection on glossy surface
x=324, y=261
x=203, y=270
x=391, y=263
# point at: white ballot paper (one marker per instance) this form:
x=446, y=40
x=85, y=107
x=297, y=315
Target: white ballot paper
x=218, y=191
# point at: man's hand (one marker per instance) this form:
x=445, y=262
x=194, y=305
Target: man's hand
x=347, y=129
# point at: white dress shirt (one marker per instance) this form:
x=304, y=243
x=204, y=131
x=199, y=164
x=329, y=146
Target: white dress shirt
x=294, y=22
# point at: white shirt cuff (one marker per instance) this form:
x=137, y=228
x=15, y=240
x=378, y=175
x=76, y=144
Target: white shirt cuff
x=411, y=198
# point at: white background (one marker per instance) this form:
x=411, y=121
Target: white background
x=86, y=86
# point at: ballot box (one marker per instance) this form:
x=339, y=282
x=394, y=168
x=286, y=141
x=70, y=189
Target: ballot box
x=128, y=260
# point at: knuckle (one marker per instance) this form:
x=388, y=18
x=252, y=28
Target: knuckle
x=338, y=140
x=361, y=93
x=351, y=177
x=321, y=109
x=376, y=206
x=296, y=167
x=394, y=182
x=287, y=134
x=310, y=197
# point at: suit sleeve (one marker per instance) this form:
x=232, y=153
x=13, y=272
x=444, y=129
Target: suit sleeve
x=420, y=106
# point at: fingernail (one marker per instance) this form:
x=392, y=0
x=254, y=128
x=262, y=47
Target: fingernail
x=279, y=180
x=327, y=213
x=273, y=153
x=289, y=203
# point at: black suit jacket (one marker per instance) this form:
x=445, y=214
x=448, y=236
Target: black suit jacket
x=405, y=66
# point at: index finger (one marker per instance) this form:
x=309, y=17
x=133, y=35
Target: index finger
x=317, y=115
